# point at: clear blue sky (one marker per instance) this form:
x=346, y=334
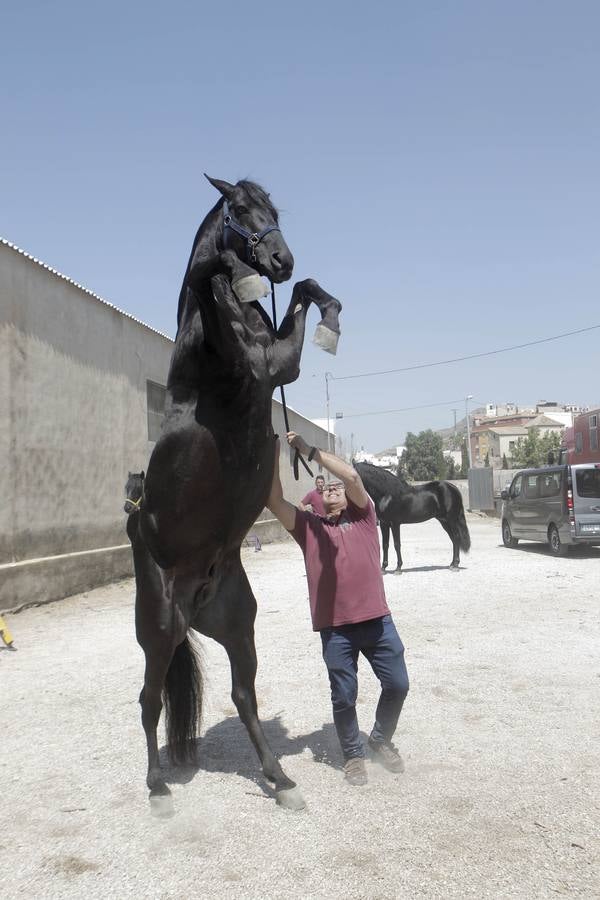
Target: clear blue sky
x=436, y=164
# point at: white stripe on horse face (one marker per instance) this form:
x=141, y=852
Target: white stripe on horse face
x=297, y=308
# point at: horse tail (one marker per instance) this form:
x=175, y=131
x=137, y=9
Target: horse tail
x=462, y=528
x=182, y=697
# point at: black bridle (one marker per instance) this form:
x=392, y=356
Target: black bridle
x=253, y=239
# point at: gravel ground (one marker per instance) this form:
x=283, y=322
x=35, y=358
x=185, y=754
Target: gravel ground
x=500, y=736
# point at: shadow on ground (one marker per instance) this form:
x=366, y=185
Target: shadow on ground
x=226, y=747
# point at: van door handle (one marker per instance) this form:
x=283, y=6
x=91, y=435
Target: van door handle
x=595, y=508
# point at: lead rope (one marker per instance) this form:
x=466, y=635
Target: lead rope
x=297, y=455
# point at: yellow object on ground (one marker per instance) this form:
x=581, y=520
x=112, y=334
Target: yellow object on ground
x=5, y=633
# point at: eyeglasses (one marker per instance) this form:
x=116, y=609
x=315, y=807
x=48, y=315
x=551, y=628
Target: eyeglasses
x=334, y=488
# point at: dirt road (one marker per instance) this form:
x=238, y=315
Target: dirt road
x=500, y=736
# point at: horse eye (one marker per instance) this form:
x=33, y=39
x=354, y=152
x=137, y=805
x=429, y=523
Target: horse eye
x=240, y=210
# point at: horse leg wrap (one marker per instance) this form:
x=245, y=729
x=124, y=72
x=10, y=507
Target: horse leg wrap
x=290, y=799
x=326, y=339
x=249, y=288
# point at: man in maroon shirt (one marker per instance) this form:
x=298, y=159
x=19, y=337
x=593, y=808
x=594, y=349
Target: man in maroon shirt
x=314, y=498
x=348, y=605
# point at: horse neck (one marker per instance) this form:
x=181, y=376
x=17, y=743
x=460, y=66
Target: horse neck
x=207, y=243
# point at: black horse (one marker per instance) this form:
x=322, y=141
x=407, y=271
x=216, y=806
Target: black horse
x=399, y=503
x=210, y=471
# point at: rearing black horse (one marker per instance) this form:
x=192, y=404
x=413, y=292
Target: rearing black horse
x=399, y=503
x=209, y=474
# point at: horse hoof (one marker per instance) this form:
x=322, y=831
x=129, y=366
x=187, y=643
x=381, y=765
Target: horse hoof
x=161, y=805
x=326, y=339
x=397, y=571
x=290, y=799
x=249, y=288
x=454, y=568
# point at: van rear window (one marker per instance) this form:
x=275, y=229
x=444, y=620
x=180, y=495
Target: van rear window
x=588, y=483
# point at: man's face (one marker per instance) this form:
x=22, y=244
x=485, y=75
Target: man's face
x=334, y=498
x=320, y=484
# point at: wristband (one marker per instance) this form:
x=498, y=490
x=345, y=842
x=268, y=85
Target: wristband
x=312, y=452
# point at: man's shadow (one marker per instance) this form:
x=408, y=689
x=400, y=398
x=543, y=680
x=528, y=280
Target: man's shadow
x=226, y=747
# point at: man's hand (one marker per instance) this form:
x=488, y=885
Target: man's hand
x=298, y=443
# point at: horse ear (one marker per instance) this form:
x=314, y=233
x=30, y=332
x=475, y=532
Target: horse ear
x=223, y=187
x=142, y=475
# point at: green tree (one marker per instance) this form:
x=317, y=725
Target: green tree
x=532, y=451
x=487, y=460
x=423, y=457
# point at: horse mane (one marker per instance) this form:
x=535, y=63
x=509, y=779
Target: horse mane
x=259, y=195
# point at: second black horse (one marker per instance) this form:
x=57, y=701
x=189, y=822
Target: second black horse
x=399, y=503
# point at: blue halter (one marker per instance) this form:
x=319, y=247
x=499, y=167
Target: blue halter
x=253, y=238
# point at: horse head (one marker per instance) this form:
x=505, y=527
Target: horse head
x=251, y=229
x=134, y=491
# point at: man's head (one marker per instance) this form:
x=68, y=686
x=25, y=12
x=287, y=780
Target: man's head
x=334, y=498
x=320, y=483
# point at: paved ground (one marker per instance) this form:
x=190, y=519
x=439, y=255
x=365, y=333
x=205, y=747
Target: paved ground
x=500, y=735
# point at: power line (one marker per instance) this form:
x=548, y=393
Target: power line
x=383, y=412
x=445, y=362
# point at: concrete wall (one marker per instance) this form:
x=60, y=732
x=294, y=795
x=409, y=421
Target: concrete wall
x=73, y=410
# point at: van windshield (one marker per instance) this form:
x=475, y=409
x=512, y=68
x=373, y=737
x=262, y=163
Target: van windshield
x=588, y=483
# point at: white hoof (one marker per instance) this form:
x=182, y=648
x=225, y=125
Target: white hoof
x=249, y=288
x=326, y=339
x=162, y=806
x=290, y=799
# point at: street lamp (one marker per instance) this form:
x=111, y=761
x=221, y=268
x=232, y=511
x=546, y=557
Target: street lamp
x=328, y=375
x=467, y=398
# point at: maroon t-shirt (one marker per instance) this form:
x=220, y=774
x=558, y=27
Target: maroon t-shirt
x=316, y=501
x=345, y=583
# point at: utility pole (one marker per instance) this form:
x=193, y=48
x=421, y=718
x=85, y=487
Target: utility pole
x=328, y=375
x=467, y=398
x=455, y=411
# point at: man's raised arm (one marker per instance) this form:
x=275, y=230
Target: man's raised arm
x=279, y=506
x=355, y=490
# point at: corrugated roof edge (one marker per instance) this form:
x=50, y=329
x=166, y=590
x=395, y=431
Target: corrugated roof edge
x=76, y=284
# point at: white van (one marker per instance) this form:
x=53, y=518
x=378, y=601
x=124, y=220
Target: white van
x=559, y=505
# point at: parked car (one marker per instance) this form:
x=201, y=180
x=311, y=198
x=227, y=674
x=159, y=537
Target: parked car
x=559, y=505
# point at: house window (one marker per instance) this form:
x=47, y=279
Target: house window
x=511, y=445
x=578, y=442
x=155, y=400
x=593, y=432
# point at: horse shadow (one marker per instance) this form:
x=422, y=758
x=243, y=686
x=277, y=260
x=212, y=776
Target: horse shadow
x=226, y=748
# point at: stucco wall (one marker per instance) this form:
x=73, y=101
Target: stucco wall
x=73, y=409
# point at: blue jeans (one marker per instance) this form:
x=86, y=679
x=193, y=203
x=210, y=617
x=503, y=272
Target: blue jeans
x=378, y=640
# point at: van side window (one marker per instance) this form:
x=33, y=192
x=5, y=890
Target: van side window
x=516, y=488
x=531, y=486
x=588, y=483
x=550, y=484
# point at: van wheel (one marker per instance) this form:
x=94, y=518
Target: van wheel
x=507, y=538
x=557, y=548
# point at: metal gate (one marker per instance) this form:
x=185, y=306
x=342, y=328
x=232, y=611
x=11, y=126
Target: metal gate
x=481, y=488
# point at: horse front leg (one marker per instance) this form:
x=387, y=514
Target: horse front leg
x=287, y=347
x=385, y=543
x=397, y=548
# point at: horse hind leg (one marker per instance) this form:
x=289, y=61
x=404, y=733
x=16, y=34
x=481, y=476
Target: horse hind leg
x=454, y=537
x=235, y=631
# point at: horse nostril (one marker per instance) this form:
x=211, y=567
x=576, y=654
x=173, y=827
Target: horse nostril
x=276, y=257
